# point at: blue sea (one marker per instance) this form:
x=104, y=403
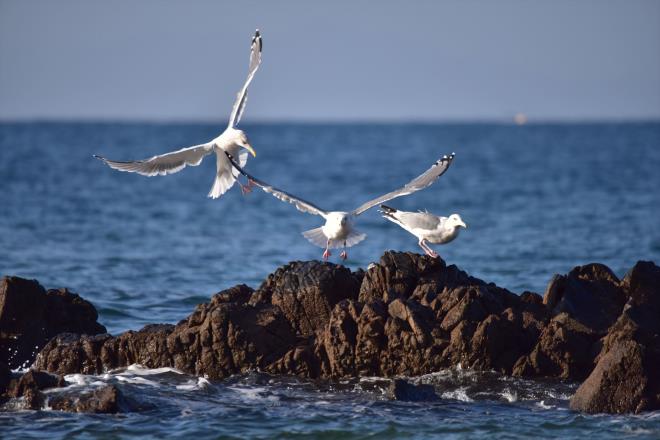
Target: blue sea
x=538, y=199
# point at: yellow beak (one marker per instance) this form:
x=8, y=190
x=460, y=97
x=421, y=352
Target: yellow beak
x=250, y=149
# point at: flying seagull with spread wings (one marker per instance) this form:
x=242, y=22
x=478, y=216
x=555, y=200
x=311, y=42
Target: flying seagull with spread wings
x=426, y=226
x=232, y=140
x=339, y=228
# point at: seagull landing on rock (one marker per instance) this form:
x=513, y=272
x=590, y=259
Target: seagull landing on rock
x=232, y=140
x=339, y=228
x=426, y=226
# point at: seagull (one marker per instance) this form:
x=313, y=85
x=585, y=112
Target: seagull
x=339, y=228
x=231, y=140
x=426, y=226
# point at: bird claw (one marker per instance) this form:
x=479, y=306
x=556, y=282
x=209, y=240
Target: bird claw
x=343, y=255
x=432, y=254
x=326, y=254
x=245, y=189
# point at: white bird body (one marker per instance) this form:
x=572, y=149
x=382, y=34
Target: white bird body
x=426, y=226
x=232, y=141
x=339, y=227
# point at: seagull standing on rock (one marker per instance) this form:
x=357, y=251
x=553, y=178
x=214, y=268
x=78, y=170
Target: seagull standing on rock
x=339, y=228
x=426, y=226
x=232, y=140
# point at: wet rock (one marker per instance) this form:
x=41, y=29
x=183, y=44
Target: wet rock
x=626, y=377
x=5, y=377
x=617, y=384
x=306, y=292
x=33, y=399
x=107, y=399
x=590, y=294
x=565, y=349
x=29, y=385
x=30, y=316
x=34, y=380
x=401, y=389
x=406, y=315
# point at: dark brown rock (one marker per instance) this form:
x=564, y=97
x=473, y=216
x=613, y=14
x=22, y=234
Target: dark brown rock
x=626, y=377
x=30, y=316
x=618, y=383
x=401, y=389
x=33, y=399
x=5, y=377
x=565, y=349
x=34, y=380
x=306, y=292
x=590, y=294
x=104, y=400
x=407, y=315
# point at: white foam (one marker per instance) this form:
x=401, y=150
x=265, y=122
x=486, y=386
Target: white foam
x=254, y=393
x=192, y=385
x=510, y=396
x=137, y=380
x=458, y=394
x=544, y=405
x=143, y=371
x=77, y=379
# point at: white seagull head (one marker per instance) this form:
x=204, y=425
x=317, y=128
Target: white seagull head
x=239, y=138
x=456, y=221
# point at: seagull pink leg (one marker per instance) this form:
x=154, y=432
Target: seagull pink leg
x=343, y=254
x=327, y=253
x=430, y=252
x=245, y=189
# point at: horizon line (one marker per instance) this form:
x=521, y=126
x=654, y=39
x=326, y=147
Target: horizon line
x=331, y=121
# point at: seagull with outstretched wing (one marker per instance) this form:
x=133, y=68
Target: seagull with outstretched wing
x=339, y=228
x=232, y=141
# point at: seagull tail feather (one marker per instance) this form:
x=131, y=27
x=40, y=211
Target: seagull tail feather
x=316, y=237
x=221, y=184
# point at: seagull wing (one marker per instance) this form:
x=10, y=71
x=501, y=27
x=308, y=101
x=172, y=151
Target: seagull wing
x=167, y=163
x=241, y=98
x=299, y=203
x=418, y=220
x=420, y=182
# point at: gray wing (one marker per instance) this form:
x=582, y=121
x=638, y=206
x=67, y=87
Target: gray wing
x=299, y=203
x=420, y=182
x=418, y=220
x=163, y=164
x=241, y=98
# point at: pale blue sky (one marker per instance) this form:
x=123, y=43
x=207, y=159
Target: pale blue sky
x=337, y=60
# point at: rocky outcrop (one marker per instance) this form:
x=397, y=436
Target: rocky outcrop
x=626, y=377
x=405, y=316
x=30, y=316
x=28, y=389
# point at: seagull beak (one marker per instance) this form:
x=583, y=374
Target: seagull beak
x=463, y=224
x=248, y=147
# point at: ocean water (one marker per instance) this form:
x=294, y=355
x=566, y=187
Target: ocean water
x=538, y=200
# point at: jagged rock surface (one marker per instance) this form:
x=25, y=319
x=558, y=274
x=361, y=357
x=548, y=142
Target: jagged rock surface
x=407, y=315
x=627, y=373
x=30, y=316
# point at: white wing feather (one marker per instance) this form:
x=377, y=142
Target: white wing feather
x=422, y=181
x=163, y=164
x=241, y=97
